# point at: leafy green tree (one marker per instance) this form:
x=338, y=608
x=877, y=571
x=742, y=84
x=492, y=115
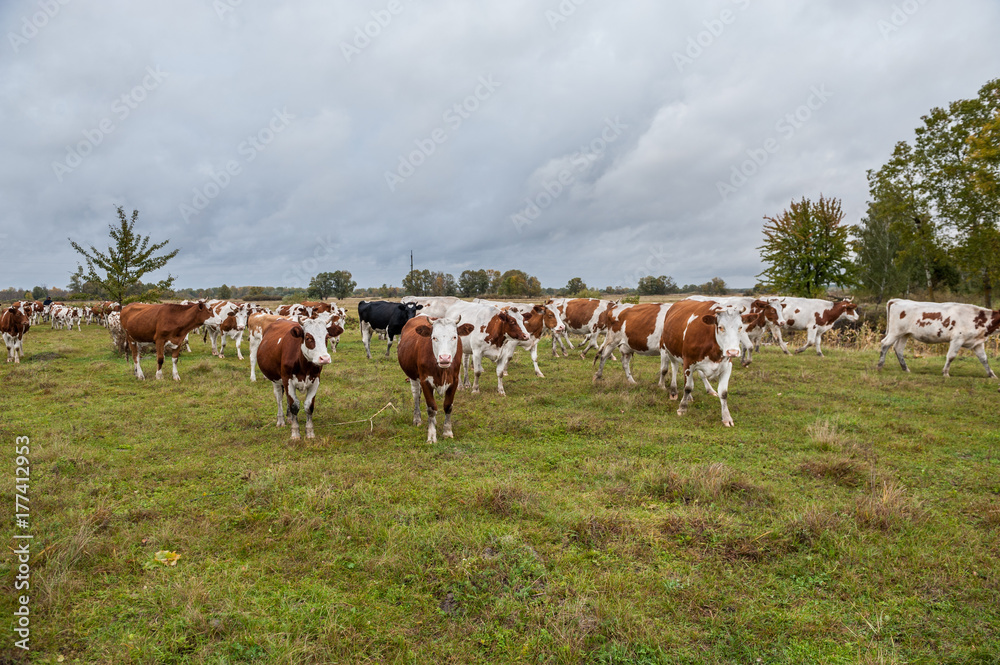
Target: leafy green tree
x=657, y=286
x=39, y=293
x=124, y=264
x=417, y=283
x=574, y=286
x=321, y=286
x=443, y=284
x=472, y=283
x=343, y=284
x=806, y=248
x=714, y=287
x=225, y=293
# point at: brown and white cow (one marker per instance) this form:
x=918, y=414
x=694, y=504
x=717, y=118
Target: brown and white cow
x=430, y=354
x=703, y=337
x=581, y=316
x=164, y=325
x=295, y=309
x=633, y=329
x=227, y=317
x=959, y=325
x=13, y=325
x=495, y=334
x=537, y=319
x=816, y=316
x=291, y=355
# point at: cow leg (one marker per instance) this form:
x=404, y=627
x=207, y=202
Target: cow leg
x=953, y=348
x=602, y=356
x=534, y=360
x=431, y=412
x=160, y=352
x=980, y=352
x=502, y=363
x=708, y=386
x=477, y=367
x=239, y=341
x=727, y=370
x=747, y=356
x=388, y=347
x=175, y=352
x=898, y=350
x=366, y=338
x=415, y=389
x=136, y=369
x=449, y=398
x=776, y=333
x=688, y=390
x=819, y=338
x=279, y=392
x=254, y=343
x=310, y=405
x=886, y=343
x=293, y=406
x=673, y=378
x=627, y=366
x=222, y=344
x=466, y=363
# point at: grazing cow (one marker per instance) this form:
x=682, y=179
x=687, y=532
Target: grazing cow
x=704, y=337
x=64, y=317
x=13, y=325
x=291, y=355
x=495, y=335
x=959, y=325
x=581, y=316
x=166, y=326
x=537, y=319
x=816, y=316
x=382, y=315
x=430, y=353
x=294, y=309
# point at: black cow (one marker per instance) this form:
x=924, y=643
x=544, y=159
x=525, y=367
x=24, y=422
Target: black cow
x=381, y=315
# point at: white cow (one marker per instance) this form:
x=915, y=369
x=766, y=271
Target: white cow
x=816, y=316
x=495, y=334
x=537, y=319
x=959, y=325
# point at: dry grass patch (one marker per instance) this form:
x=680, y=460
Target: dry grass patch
x=844, y=471
x=827, y=435
x=595, y=531
x=886, y=506
x=504, y=500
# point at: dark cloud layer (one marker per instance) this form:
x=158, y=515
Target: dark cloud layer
x=570, y=138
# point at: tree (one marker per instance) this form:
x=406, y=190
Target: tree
x=657, y=286
x=343, y=284
x=321, y=286
x=714, y=287
x=473, y=283
x=225, y=293
x=807, y=248
x=574, y=286
x=417, y=283
x=39, y=292
x=77, y=280
x=127, y=261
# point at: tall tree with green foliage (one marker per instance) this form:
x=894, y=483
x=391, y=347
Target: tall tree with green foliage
x=657, y=286
x=574, y=286
x=472, y=283
x=321, y=286
x=124, y=264
x=807, y=248
x=343, y=284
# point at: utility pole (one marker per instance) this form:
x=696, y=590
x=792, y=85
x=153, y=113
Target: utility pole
x=411, y=260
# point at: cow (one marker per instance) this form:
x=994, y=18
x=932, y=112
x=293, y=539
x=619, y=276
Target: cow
x=258, y=323
x=64, y=317
x=748, y=305
x=537, y=319
x=495, y=334
x=703, y=337
x=633, y=329
x=431, y=306
x=816, y=316
x=227, y=317
x=382, y=315
x=581, y=317
x=291, y=355
x=294, y=309
x=164, y=325
x=959, y=325
x=429, y=353
x=13, y=325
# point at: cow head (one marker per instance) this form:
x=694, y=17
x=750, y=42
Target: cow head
x=850, y=310
x=553, y=319
x=313, y=333
x=444, y=335
x=728, y=325
x=513, y=324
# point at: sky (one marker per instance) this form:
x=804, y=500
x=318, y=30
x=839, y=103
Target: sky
x=565, y=138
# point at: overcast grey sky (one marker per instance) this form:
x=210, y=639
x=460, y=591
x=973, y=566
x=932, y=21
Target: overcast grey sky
x=575, y=138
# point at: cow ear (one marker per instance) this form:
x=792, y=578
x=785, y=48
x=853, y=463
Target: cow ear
x=298, y=332
x=465, y=329
x=423, y=331
x=709, y=320
x=419, y=307
x=334, y=330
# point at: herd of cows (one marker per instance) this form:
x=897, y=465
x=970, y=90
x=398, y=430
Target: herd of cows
x=439, y=335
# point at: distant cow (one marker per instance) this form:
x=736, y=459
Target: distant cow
x=959, y=325
x=431, y=306
x=537, y=319
x=634, y=329
x=292, y=355
x=703, y=337
x=581, y=316
x=13, y=325
x=495, y=334
x=382, y=315
x=166, y=326
x=816, y=316
x=430, y=354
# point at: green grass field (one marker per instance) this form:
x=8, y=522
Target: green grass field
x=851, y=516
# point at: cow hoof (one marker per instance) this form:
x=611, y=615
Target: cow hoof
x=417, y=421
x=475, y=391
x=295, y=437
x=681, y=412
x=727, y=423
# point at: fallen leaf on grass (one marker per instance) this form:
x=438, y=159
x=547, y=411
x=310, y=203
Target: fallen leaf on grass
x=166, y=557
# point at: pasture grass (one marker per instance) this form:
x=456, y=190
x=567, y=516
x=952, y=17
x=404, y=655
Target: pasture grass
x=851, y=516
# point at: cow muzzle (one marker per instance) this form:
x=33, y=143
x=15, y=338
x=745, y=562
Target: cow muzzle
x=323, y=360
x=732, y=353
x=444, y=361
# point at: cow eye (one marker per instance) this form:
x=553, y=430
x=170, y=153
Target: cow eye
x=722, y=328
